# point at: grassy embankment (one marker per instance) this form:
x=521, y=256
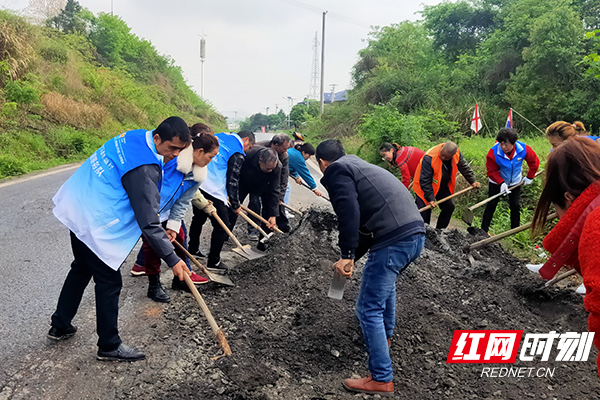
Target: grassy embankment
x=60, y=99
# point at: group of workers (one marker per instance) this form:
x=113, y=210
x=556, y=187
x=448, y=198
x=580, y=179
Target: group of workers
x=141, y=183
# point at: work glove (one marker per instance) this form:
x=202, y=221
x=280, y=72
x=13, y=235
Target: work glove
x=209, y=208
x=199, y=201
x=504, y=188
x=527, y=181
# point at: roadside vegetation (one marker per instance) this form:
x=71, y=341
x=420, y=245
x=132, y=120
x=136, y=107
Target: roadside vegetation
x=77, y=80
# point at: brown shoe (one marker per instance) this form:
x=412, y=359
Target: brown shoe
x=369, y=386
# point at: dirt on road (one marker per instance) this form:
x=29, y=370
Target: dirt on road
x=290, y=341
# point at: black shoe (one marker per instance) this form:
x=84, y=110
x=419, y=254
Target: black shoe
x=219, y=265
x=61, y=334
x=180, y=285
x=158, y=294
x=198, y=253
x=122, y=353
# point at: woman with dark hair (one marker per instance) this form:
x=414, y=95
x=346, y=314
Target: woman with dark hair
x=405, y=158
x=192, y=163
x=298, y=169
x=560, y=131
x=572, y=186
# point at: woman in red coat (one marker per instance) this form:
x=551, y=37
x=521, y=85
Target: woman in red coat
x=406, y=158
x=572, y=186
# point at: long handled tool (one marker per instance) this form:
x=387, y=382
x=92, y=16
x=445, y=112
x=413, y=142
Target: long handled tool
x=213, y=277
x=261, y=219
x=467, y=214
x=213, y=324
x=427, y=207
x=292, y=209
x=502, y=235
x=255, y=225
x=322, y=195
x=244, y=251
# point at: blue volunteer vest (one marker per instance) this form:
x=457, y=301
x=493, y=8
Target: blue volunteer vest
x=510, y=170
x=173, y=186
x=216, y=178
x=93, y=204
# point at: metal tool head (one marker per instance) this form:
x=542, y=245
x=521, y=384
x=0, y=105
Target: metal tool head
x=248, y=252
x=467, y=216
x=265, y=239
x=223, y=280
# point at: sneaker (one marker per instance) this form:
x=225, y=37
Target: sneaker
x=369, y=386
x=197, y=279
x=253, y=236
x=121, y=353
x=289, y=215
x=138, y=270
x=220, y=265
x=61, y=334
x=198, y=253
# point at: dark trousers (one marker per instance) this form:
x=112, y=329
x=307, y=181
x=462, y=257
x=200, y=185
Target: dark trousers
x=514, y=203
x=107, y=285
x=218, y=236
x=447, y=208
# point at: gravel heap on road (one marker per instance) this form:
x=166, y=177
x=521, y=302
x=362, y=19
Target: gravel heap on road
x=290, y=341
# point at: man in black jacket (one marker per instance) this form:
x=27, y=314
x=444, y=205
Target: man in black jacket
x=280, y=143
x=260, y=176
x=122, y=178
x=376, y=213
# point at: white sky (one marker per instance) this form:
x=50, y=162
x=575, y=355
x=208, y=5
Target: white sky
x=257, y=51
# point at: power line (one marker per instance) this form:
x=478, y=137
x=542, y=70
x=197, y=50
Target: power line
x=333, y=15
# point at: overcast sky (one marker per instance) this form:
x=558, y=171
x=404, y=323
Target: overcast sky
x=257, y=51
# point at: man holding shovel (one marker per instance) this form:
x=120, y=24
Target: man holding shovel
x=435, y=179
x=107, y=204
x=504, y=164
x=376, y=213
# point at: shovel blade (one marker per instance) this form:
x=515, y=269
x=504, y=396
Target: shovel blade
x=467, y=216
x=223, y=280
x=248, y=252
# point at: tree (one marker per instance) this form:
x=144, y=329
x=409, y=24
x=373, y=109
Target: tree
x=42, y=11
x=70, y=19
x=304, y=111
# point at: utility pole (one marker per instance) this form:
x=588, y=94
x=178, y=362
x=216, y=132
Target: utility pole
x=267, y=108
x=111, y=8
x=333, y=85
x=323, y=64
x=202, y=58
x=314, y=74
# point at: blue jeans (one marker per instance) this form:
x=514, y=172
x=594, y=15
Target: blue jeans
x=288, y=191
x=376, y=304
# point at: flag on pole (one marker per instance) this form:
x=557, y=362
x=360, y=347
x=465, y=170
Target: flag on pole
x=476, y=121
x=509, y=120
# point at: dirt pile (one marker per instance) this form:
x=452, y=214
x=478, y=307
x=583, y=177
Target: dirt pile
x=290, y=341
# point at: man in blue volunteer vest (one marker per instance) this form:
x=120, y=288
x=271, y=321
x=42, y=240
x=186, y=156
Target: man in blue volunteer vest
x=220, y=187
x=107, y=204
x=504, y=164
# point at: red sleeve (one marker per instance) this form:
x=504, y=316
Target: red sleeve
x=589, y=260
x=405, y=174
x=533, y=162
x=492, y=168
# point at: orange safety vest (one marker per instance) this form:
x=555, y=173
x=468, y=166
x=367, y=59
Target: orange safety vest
x=436, y=164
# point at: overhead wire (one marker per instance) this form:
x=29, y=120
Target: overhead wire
x=331, y=14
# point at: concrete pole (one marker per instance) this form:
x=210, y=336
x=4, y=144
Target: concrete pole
x=323, y=65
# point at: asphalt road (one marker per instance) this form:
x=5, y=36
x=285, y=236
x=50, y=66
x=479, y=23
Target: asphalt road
x=35, y=257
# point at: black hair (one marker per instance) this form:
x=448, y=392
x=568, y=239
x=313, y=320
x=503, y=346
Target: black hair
x=199, y=128
x=206, y=141
x=330, y=150
x=280, y=139
x=267, y=155
x=507, y=134
x=306, y=148
x=389, y=146
x=173, y=127
x=247, y=134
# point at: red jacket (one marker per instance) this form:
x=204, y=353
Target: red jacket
x=407, y=160
x=493, y=172
x=586, y=259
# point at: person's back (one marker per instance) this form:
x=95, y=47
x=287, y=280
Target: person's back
x=411, y=156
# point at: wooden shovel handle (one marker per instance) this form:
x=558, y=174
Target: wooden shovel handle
x=220, y=221
x=254, y=224
x=191, y=257
x=322, y=195
x=211, y=321
x=291, y=209
x=427, y=207
x=500, y=194
x=261, y=219
x=502, y=235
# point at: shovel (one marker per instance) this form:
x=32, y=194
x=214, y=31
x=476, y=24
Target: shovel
x=468, y=214
x=261, y=219
x=244, y=251
x=211, y=321
x=427, y=207
x=292, y=209
x=255, y=225
x=323, y=196
x=213, y=277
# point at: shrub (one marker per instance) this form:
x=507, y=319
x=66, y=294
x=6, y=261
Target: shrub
x=10, y=166
x=54, y=51
x=21, y=92
x=74, y=113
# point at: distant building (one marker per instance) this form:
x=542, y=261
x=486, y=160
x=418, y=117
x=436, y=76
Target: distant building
x=339, y=96
x=233, y=127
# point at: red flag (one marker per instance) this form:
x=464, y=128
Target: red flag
x=476, y=120
x=509, y=121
